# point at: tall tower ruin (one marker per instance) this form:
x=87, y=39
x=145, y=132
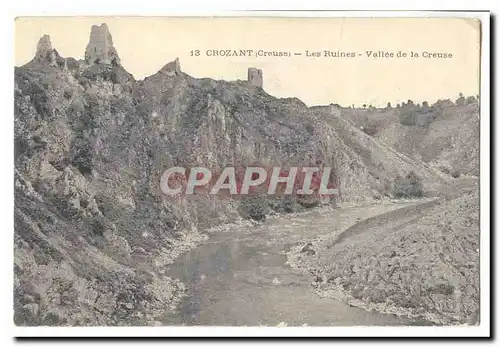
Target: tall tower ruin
x=100, y=47
x=44, y=51
x=255, y=77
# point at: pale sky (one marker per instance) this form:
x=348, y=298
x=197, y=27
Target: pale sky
x=145, y=44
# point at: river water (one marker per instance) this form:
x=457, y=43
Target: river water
x=240, y=276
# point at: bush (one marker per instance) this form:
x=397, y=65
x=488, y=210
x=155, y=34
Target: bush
x=471, y=100
x=68, y=94
x=461, y=101
x=83, y=159
x=412, y=115
x=308, y=201
x=97, y=227
x=285, y=204
x=407, y=187
x=408, y=115
x=254, y=207
x=370, y=130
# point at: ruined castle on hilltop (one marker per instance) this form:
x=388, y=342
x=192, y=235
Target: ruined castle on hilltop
x=100, y=50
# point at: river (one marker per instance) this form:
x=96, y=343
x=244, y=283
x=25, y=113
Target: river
x=239, y=277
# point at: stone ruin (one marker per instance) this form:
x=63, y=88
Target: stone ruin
x=173, y=68
x=44, y=51
x=100, y=48
x=255, y=77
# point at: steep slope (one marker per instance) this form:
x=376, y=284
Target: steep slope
x=447, y=138
x=93, y=233
x=421, y=262
x=449, y=143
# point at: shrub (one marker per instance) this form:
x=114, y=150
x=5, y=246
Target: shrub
x=254, y=207
x=370, y=130
x=285, y=204
x=471, y=100
x=407, y=187
x=97, y=227
x=407, y=118
x=308, y=201
x=68, y=94
x=411, y=114
x=83, y=159
x=461, y=100
x=408, y=114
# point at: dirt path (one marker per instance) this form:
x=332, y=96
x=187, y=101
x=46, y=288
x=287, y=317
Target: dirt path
x=240, y=277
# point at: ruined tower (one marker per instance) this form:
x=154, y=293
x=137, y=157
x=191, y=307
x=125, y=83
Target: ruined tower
x=100, y=47
x=44, y=51
x=173, y=68
x=255, y=77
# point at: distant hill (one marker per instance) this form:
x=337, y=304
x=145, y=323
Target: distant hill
x=446, y=134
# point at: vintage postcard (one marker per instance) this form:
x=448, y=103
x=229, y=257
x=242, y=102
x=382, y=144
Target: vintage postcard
x=251, y=170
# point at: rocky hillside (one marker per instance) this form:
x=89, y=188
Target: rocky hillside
x=445, y=135
x=420, y=262
x=93, y=233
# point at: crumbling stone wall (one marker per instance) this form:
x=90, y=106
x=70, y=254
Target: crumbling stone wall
x=255, y=77
x=100, y=47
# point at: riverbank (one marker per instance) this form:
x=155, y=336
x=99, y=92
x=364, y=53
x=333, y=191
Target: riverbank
x=420, y=262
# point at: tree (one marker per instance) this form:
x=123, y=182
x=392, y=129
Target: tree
x=471, y=100
x=407, y=187
x=461, y=100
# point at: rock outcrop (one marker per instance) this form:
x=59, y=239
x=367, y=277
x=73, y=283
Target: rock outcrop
x=44, y=51
x=173, y=68
x=255, y=77
x=100, y=48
